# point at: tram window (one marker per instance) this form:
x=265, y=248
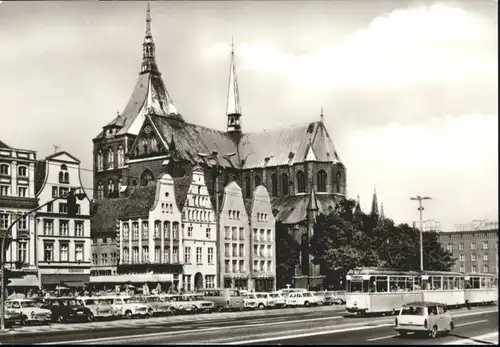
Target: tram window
x=356, y=286
x=401, y=284
x=446, y=283
x=417, y=283
x=436, y=283
x=381, y=284
x=456, y=283
x=393, y=284
x=409, y=284
x=495, y=283
x=475, y=283
x=483, y=282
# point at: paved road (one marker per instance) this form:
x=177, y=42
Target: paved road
x=311, y=327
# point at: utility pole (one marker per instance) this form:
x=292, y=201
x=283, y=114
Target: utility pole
x=421, y=209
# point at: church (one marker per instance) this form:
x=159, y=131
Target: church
x=298, y=165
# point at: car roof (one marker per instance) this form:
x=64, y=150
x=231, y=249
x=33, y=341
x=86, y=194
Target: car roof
x=15, y=299
x=424, y=303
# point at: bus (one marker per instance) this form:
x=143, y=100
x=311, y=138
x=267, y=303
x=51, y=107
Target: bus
x=223, y=299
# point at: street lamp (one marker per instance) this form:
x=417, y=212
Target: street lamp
x=215, y=157
x=421, y=209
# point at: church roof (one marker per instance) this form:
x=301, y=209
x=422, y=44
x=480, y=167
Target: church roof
x=181, y=188
x=105, y=214
x=139, y=201
x=3, y=145
x=285, y=146
x=191, y=139
x=293, y=209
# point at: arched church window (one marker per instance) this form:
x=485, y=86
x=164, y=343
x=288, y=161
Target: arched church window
x=284, y=184
x=146, y=177
x=120, y=184
x=121, y=156
x=100, y=191
x=66, y=177
x=258, y=181
x=248, y=188
x=99, y=160
x=321, y=178
x=301, y=182
x=339, y=182
x=111, y=187
x=274, y=185
x=111, y=158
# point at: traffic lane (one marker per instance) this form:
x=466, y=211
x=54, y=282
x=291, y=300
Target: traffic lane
x=148, y=326
x=232, y=334
x=468, y=326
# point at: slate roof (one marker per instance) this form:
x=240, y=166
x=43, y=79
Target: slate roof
x=181, y=188
x=279, y=144
x=293, y=209
x=248, y=206
x=3, y=145
x=105, y=214
x=40, y=167
x=139, y=201
x=191, y=139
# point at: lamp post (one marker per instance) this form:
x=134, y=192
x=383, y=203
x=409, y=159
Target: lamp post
x=215, y=157
x=421, y=209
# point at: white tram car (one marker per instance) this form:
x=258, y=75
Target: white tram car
x=381, y=290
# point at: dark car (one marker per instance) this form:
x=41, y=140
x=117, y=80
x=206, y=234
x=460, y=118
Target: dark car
x=65, y=309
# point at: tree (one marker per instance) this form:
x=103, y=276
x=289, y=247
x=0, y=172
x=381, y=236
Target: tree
x=287, y=256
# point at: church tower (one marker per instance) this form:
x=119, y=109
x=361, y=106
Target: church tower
x=233, y=110
x=374, y=211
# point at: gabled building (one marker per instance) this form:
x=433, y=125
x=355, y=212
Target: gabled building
x=150, y=137
x=17, y=196
x=63, y=243
x=263, y=242
x=199, y=231
x=149, y=240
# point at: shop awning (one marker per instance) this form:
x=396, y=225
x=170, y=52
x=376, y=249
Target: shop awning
x=26, y=281
x=74, y=284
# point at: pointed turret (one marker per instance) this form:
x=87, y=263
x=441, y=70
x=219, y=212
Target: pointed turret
x=374, y=211
x=382, y=215
x=148, y=48
x=312, y=204
x=233, y=109
x=357, y=209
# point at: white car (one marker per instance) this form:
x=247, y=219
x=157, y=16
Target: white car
x=30, y=312
x=302, y=299
x=127, y=306
x=252, y=301
x=425, y=317
x=274, y=300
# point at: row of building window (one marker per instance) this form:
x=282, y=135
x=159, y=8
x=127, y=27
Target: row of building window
x=102, y=259
x=234, y=247
x=473, y=257
x=48, y=251
x=110, y=162
x=486, y=268
x=157, y=230
x=321, y=183
x=235, y=266
x=265, y=251
x=208, y=232
x=199, y=255
x=450, y=247
x=209, y=282
x=231, y=233
x=22, y=171
x=198, y=201
x=262, y=235
x=135, y=259
x=5, y=222
x=64, y=230
x=198, y=216
x=260, y=266
x=22, y=191
x=103, y=240
x=22, y=250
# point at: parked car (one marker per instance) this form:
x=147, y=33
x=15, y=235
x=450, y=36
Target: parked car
x=424, y=317
x=278, y=299
x=11, y=316
x=99, y=308
x=252, y=301
x=30, y=311
x=302, y=299
x=198, y=303
x=66, y=309
x=156, y=306
x=224, y=299
x=128, y=307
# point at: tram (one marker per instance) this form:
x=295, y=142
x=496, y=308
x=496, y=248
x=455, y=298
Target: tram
x=382, y=290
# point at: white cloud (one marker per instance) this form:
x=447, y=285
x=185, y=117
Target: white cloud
x=422, y=44
x=452, y=159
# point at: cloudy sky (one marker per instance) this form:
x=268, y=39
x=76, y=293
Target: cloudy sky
x=409, y=89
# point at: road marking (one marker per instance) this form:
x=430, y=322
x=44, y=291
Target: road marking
x=470, y=323
x=166, y=334
x=381, y=338
x=298, y=336
x=477, y=340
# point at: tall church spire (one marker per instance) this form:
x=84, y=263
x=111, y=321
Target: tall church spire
x=357, y=209
x=148, y=48
x=233, y=110
x=374, y=211
x=382, y=215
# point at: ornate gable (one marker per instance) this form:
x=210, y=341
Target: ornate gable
x=148, y=142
